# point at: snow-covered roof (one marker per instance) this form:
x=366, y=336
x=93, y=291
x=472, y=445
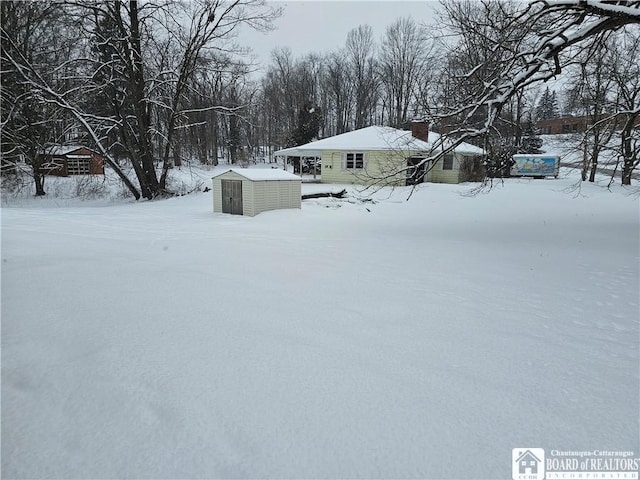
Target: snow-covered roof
x=63, y=149
x=375, y=138
x=259, y=174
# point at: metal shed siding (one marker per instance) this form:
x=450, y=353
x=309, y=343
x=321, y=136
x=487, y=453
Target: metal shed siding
x=284, y=195
x=259, y=197
x=270, y=196
x=248, y=201
x=217, y=195
x=296, y=194
x=273, y=195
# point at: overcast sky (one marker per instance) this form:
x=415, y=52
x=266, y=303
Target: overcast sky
x=322, y=26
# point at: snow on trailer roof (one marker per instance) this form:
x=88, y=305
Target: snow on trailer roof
x=375, y=138
x=260, y=174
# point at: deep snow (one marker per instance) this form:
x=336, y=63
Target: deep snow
x=385, y=339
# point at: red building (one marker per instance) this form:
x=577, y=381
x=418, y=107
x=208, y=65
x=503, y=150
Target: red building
x=65, y=160
x=556, y=126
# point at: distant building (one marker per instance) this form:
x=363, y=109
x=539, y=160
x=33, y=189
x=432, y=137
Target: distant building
x=556, y=126
x=65, y=160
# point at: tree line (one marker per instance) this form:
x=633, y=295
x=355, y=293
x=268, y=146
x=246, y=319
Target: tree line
x=151, y=85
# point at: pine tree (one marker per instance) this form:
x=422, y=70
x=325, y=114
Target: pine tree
x=309, y=122
x=547, y=106
x=530, y=142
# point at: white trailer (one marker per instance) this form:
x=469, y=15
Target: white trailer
x=538, y=166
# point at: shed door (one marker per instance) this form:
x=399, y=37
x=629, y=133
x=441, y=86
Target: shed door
x=232, y=197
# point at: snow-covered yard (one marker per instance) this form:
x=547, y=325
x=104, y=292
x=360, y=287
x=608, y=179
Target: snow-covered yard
x=348, y=339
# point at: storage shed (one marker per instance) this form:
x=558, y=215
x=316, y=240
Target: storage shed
x=250, y=191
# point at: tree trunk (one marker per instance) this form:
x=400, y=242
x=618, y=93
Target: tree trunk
x=340, y=194
x=585, y=160
x=594, y=168
x=628, y=154
x=149, y=180
x=130, y=186
x=214, y=121
x=39, y=181
x=595, y=153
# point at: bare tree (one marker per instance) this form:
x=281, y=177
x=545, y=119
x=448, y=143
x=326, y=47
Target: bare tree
x=148, y=54
x=360, y=49
x=290, y=85
x=484, y=39
x=552, y=29
x=626, y=77
x=34, y=31
x=279, y=95
x=403, y=59
x=340, y=87
x=592, y=90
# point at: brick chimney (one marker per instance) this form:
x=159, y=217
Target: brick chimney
x=420, y=130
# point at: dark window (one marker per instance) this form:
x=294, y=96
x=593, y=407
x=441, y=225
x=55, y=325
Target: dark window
x=447, y=162
x=79, y=166
x=354, y=160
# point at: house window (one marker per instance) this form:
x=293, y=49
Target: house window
x=447, y=162
x=354, y=161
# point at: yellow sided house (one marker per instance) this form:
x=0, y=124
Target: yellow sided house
x=386, y=156
x=250, y=191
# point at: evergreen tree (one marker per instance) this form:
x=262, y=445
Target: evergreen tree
x=309, y=123
x=531, y=142
x=547, y=106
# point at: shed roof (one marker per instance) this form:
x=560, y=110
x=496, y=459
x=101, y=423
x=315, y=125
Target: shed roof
x=260, y=174
x=375, y=138
x=63, y=149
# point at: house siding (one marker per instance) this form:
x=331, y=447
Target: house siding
x=438, y=175
x=332, y=171
x=378, y=165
